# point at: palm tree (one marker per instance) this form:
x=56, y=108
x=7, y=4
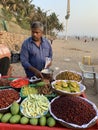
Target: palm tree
x=25, y=12
x=53, y=23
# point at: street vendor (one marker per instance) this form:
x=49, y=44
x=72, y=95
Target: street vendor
x=34, y=51
x=5, y=55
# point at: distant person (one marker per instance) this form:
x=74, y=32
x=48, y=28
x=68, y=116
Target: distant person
x=85, y=40
x=51, y=40
x=92, y=38
x=5, y=57
x=34, y=51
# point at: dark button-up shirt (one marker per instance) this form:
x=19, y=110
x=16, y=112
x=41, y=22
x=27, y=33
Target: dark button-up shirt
x=32, y=55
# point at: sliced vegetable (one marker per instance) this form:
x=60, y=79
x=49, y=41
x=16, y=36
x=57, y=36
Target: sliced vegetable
x=18, y=83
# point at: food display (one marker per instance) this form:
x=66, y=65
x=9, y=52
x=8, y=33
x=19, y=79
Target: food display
x=34, y=106
x=68, y=87
x=19, y=82
x=14, y=116
x=7, y=97
x=69, y=75
x=4, y=82
x=40, y=104
x=77, y=112
x=27, y=90
x=45, y=90
x=42, y=87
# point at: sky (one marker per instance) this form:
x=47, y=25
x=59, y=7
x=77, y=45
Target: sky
x=83, y=20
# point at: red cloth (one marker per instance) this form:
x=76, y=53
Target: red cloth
x=7, y=126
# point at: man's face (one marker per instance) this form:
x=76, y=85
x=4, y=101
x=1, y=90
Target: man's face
x=36, y=34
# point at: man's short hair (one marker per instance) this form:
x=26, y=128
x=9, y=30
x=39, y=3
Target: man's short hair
x=38, y=25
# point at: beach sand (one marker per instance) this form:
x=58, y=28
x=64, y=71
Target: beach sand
x=66, y=55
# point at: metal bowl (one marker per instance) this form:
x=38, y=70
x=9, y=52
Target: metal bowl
x=47, y=74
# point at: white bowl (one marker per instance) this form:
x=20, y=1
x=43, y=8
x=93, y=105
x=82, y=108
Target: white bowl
x=62, y=92
x=30, y=110
x=62, y=75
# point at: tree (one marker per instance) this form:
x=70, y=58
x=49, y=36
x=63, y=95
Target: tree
x=25, y=12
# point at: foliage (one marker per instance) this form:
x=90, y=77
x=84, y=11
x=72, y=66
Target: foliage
x=25, y=12
x=6, y=14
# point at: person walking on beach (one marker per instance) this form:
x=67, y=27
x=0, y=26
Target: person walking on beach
x=34, y=51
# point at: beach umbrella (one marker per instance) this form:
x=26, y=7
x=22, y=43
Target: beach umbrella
x=67, y=16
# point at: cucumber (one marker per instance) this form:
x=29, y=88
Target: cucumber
x=32, y=85
x=40, y=84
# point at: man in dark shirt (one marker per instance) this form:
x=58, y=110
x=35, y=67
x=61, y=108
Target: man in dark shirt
x=34, y=51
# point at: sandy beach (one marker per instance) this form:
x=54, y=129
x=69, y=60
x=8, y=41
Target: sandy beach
x=66, y=55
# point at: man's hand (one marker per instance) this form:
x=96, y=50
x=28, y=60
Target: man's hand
x=37, y=73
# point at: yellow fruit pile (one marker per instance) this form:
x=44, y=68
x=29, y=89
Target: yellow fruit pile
x=68, y=86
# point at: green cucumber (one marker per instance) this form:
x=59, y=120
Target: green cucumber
x=32, y=85
x=40, y=84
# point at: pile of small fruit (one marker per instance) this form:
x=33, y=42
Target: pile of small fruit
x=68, y=86
x=14, y=116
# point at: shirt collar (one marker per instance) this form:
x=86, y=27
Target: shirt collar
x=42, y=39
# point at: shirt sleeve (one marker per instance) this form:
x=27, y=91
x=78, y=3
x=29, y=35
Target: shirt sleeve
x=24, y=55
x=50, y=50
